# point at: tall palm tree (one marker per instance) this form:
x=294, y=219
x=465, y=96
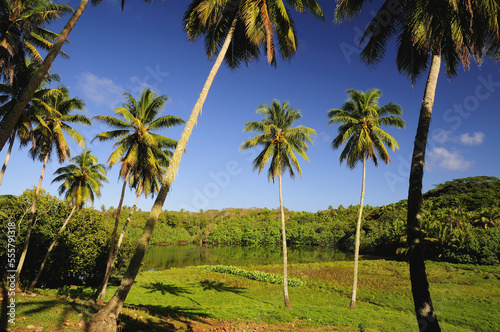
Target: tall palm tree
x=428, y=32
x=82, y=181
x=23, y=34
x=139, y=149
x=360, y=119
x=53, y=120
x=10, y=93
x=218, y=20
x=280, y=142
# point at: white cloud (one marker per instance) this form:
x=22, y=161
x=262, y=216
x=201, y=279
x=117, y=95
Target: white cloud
x=444, y=159
x=476, y=139
x=100, y=90
x=323, y=137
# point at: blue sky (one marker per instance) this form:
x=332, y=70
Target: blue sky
x=113, y=51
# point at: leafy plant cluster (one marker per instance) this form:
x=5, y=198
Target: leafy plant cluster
x=80, y=254
x=272, y=278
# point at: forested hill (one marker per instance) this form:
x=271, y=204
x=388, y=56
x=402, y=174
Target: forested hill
x=474, y=193
x=460, y=221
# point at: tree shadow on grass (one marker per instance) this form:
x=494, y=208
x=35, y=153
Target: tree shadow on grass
x=220, y=287
x=223, y=287
x=169, y=289
x=67, y=309
x=164, y=289
x=168, y=315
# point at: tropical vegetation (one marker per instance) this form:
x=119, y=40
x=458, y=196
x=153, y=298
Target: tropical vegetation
x=142, y=152
x=360, y=119
x=52, y=122
x=82, y=182
x=279, y=142
x=456, y=222
x=428, y=33
x=224, y=24
x=465, y=240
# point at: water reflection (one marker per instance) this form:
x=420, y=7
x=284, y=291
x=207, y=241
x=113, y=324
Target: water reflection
x=165, y=257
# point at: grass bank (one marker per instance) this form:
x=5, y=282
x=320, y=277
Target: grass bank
x=466, y=298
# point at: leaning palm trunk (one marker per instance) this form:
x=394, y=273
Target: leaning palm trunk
x=7, y=157
x=111, y=254
x=105, y=319
x=10, y=119
x=115, y=253
x=52, y=245
x=285, y=256
x=30, y=222
x=122, y=234
x=357, y=240
x=424, y=310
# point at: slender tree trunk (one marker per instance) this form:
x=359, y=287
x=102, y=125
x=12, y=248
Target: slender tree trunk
x=7, y=157
x=104, y=285
x=10, y=119
x=30, y=223
x=115, y=253
x=52, y=245
x=357, y=240
x=105, y=319
x=285, y=256
x=122, y=234
x=424, y=310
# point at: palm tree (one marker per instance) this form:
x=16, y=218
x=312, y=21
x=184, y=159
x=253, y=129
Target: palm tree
x=53, y=121
x=22, y=32
x=10, y=93
x=139, y=149
x=428, y=32
x=218, y=20
x=82, y=181
x=280, y=141
x=360, y=118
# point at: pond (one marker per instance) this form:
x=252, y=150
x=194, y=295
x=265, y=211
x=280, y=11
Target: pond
x=170, y=256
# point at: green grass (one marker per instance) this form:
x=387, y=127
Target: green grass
x=466, y=298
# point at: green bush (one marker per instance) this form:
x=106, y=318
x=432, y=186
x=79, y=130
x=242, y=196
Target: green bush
x=272, y=278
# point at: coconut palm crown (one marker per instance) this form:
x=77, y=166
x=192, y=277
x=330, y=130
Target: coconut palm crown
x=81, y=180
x=256, y=24
x=138, y=148
x=279, y=140
x=459, y=30
x=360, y=118
x=53, y=120
x=22, y=32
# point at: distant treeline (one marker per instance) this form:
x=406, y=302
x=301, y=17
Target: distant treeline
x=460, y=221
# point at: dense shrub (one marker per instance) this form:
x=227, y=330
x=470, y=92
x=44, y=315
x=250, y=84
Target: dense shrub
x=272, y=278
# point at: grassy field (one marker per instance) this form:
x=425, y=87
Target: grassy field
x=466, y=298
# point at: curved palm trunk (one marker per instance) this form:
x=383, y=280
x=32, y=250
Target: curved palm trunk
x=122, y=234
x=10, y=119
x=424, y=310
x=105, y=319
x=357, y=240
x=115, y=253
x=285, y=257
x=104, y=285
x=52, y=245
x=30, y=223
x=7, y=157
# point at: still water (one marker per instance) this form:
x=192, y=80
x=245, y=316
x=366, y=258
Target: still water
x=165, y=257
